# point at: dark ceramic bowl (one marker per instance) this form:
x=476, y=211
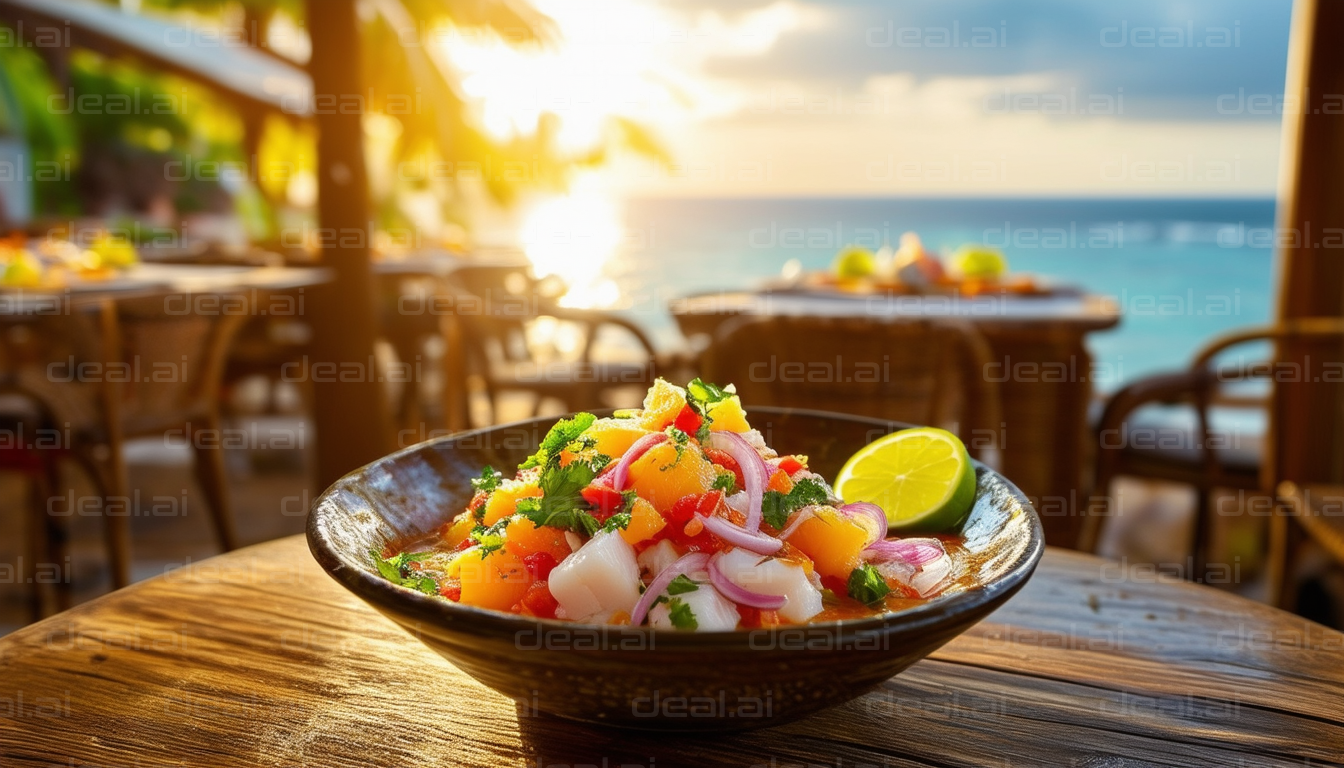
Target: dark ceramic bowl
x=639, y=677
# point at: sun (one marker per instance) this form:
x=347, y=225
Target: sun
x=573, y=237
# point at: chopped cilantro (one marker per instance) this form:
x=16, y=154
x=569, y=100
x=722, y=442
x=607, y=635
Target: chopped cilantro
x=679, y=442
x=726, y=482
x=679, y=613
x=490, y=539
x=396, y=570
x=488, y=481
x=562, y=434
x=776, y=507
x=561, y=504
x=867, y=585
x=681, y=585
x=628, y=497
x=617, y=522
x=585, y=522
x=701, y=394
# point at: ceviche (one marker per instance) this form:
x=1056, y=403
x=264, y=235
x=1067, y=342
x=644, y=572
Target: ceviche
x=679, y=516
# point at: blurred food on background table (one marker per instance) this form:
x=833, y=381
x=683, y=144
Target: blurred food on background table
x=54, y=262
x=973, y=270
x=1037, y=358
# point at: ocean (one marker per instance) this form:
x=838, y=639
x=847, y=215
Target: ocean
x=1183, y=270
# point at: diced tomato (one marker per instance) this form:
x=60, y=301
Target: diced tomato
x=606, y=499
x=681, y=513
x=451, y=589
x=835, y=584
x=477, y=501
x=538, y=601
x=726, y=460
x=792, y=464
x=701, y=542
x=709, y=502
x=683, y=509
x=688, y=420
x=687, y=506
x=755, y=617
x=540, y=564
x=465, y=544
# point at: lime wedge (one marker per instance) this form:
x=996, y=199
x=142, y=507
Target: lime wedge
x=922, y=478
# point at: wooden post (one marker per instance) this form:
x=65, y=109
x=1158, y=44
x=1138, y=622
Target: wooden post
x=352, y=423
x=1308, y=440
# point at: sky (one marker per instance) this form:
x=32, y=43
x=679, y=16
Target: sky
x=920, y=97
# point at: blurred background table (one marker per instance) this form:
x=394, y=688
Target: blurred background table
x=142, y=353
x=257, y=658
x=1038, y=357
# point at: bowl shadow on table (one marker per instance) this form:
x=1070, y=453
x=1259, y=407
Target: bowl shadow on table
x=634, y=677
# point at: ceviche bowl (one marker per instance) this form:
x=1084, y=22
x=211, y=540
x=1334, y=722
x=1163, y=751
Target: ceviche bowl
x=641, y=677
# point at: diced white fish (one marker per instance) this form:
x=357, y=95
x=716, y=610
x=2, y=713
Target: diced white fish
x=757, y=441
x=657, y=558
x=927, y=581
x=712, y=611
x=601, y=578
x=738, y=501
x=772, y=576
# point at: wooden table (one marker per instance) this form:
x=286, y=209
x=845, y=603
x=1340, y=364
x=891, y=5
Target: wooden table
x=1041, y=363
x=257, y=658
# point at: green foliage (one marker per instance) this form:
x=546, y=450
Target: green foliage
x=52, y=135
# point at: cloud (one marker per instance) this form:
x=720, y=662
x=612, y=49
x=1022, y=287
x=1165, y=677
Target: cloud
x=1170, y=59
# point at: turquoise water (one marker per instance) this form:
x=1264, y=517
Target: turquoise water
x=1183, y=270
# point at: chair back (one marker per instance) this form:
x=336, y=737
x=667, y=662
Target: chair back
x=1283, y=371
x=173, y=349
x=921, y=371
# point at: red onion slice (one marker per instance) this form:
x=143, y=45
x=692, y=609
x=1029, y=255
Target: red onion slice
x=870, y=511
x=753, y=541
x=740, y=595
x=754, y=472
x=803, y=515
x=916, y=552
x=689, y=563
x=619, y=474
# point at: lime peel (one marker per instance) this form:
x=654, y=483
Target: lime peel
x=922, y=478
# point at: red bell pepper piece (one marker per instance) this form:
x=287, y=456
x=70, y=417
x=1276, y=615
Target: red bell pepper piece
x=725, y=460
x=607, y=500
x=688, y=420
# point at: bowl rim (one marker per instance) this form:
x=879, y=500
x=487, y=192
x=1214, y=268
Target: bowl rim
x=464, y=619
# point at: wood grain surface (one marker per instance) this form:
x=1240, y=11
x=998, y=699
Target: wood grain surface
x=257, y=658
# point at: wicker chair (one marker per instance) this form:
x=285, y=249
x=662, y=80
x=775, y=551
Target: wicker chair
x=174, y=359
x=919, y=371
x=1315, y=513
x=1197, y=458
x=497, y=306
